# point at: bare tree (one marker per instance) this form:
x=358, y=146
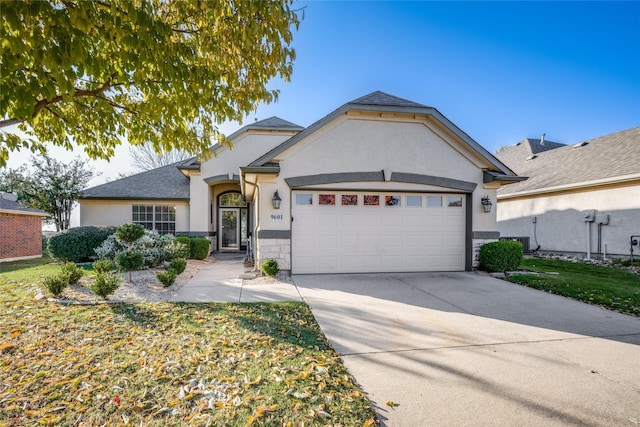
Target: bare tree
x=145, y=157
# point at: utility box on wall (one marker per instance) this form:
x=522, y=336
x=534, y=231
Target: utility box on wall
x=589, y=216
x=602, y=219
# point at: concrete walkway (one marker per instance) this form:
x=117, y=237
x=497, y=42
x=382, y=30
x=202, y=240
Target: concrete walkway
x=225, y=280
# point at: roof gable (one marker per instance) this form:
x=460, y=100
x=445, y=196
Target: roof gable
x=383, y=102
x=606, y=158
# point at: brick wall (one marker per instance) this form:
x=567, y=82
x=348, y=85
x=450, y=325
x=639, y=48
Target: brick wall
x=20, y=236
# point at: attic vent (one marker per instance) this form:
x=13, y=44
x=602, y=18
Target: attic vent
x=580, y=144
x=532, y=157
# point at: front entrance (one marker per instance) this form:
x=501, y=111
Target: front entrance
x=233, y=222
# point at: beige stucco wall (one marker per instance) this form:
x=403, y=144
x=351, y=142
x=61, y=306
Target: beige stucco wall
x=116, y=212
x=246, y=147
x=559, y=225
x=373, y=143
x=367, y=143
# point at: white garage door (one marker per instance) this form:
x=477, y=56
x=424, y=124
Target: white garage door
x=360, y=232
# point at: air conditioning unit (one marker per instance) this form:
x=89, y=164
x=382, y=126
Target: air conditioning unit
x=589, y=216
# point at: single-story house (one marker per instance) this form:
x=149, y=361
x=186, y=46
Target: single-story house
x=582, y=198
x=381, y=184
x=20, y=229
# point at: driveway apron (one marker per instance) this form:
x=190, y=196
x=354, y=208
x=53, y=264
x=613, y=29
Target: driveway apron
x=446, y=349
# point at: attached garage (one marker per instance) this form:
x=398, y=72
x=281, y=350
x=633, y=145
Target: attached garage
x=350, y=232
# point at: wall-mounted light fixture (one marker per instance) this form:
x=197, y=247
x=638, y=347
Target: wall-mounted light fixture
x=276, y=200
x=486, y=204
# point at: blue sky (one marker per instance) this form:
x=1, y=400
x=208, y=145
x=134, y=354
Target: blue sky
x=501, y=71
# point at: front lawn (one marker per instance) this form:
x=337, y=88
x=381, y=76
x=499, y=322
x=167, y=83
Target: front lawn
x=609, y=287
x=168, y=364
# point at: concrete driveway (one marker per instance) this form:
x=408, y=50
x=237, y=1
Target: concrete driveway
x=468, y=349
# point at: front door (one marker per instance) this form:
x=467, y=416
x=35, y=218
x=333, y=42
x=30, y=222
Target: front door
x=229, y=229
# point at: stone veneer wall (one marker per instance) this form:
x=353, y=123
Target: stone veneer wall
x=277, y=249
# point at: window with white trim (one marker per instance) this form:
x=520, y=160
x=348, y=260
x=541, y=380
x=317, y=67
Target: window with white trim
x=161, y=218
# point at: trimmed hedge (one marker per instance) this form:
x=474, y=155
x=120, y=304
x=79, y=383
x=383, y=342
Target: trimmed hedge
x=501, y=256
x=199, y=247
x=77, y=244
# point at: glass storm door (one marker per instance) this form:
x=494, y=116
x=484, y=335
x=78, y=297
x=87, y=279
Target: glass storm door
x=230, y=229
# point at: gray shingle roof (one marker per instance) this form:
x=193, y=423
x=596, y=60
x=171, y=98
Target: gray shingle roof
x=524, y=149
x=384, y=99
x=12, y=205
x=272, y=123
x=605, y=157
x=165, y=183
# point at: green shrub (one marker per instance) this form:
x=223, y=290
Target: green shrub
x=105, y=284
x=175, y=249
x=167, y=277
x=501, y=256
x=199, y=247
x=103, y=266
x=270, y=267
x=184, y=240
x=45, y=245
x=151, y=244
x=78, y=244
x=130, y=261
x=129, y=232
x=55, y=284
x=178, y=265
x=71, y=273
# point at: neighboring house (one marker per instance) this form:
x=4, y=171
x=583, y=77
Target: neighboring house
x=20, y=229
x=381, y=184
x=579, y=198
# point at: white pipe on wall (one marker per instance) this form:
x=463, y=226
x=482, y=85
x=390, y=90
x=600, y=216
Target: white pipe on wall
x=588, y=239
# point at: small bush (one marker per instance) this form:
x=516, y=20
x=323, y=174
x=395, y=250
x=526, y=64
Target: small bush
x=105, y=284
x=270, y=267
x=184, y=240
x=71, y=273
x=45, y=245
x=501, y=256
x=103, y=266
x=78, y=244
x=55, y=284
x=167, y=277
x=151, y=244
x=199, y=247
x=178, y=265
x=129, y=232
x=130, y=261
x=175, y=249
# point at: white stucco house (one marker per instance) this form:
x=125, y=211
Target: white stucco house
x=381, y=184
x=582, y=199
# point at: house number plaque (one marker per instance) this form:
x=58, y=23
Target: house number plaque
x=277, y=217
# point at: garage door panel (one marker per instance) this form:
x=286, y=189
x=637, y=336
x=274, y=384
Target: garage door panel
x=341, y=239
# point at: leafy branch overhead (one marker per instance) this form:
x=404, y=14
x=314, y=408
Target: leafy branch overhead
x=151, y=71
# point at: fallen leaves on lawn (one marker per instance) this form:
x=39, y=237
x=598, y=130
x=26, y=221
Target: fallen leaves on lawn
x=172, y=364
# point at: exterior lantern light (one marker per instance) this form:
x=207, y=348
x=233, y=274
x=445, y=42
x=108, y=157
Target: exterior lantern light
x=276, y=200
x=486, y=204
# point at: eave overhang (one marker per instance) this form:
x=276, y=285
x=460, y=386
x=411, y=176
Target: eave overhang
x=249, y=175
x=493, y=176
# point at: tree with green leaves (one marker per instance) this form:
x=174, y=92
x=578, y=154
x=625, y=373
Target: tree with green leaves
x=49, y=185
x=163, y=72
